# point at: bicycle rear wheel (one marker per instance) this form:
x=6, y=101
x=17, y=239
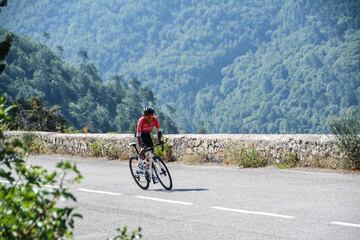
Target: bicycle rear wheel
x=140, y=176
x=162, y=172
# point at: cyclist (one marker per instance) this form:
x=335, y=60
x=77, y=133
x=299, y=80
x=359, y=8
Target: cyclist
x=143, y=131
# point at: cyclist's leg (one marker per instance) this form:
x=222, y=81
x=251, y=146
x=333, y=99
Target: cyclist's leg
x=146, y=140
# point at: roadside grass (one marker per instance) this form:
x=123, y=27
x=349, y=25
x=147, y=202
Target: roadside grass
x=114, y=153
x=33, y=144
x=347, y=133
x=194, y=158
x=244, y=157
x=96, y=148
x=165, y=153
x=291, y=161
x=100, y=148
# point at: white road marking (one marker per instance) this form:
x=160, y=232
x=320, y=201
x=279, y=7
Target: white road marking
x=48, y=186
x=346, y=224
x=51, y=186
x=313, y=173
x=253, y=212
x=92, y=236
x=101, y=192
x=164, y=200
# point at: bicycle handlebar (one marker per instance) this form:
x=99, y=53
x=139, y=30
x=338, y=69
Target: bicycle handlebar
x=148, y=148
x=159, y=144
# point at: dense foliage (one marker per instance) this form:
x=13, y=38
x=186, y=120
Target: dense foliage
x=270, y=66
x=83, y=98
x=4, y=50
x=32, y=115
x=306, y=75
x=30, y=195
x=347, y=132
x=28, y=209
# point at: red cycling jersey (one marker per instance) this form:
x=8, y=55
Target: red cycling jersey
x=145, y=125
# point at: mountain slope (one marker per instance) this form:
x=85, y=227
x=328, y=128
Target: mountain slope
x=220, y=64
x=84, y=98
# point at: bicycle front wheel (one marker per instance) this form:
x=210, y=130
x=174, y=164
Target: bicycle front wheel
x=162, y=172
x=139, y=175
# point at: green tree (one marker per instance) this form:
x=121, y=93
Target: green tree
x=81, y=96
x=3, y=3
x=83, y=55
x=46, y=35
x=61, y=50
x=252, y=52
x=32, y=115
x=29, y=210
x=4, y=50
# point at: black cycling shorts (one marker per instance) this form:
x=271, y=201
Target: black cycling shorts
x=146, y=139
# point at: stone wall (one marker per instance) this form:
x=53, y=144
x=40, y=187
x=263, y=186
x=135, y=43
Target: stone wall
x=311, y=150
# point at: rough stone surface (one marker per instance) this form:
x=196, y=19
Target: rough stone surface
x=311, y=150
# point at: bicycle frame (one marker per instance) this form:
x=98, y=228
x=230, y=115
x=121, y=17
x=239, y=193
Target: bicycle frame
x=151, y=155
x=155, y=170
x=149, y=152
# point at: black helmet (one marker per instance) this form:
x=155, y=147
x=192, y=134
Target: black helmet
x=149, y=111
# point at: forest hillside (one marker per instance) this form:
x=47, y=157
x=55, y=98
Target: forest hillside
x=34, y=72
x=249, y=66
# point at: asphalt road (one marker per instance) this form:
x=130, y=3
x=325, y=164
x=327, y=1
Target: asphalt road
x=215, y=202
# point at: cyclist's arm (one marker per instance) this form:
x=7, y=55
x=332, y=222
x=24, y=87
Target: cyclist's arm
x=159, y=133
x=138, y=140
x=138, y=133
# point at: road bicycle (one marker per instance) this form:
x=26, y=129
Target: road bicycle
x=153, y=168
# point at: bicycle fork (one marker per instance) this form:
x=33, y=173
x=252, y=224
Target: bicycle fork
x=151, y=169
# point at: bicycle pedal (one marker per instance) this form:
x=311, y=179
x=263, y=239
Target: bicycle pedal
x=147, y=176
x=155, y=179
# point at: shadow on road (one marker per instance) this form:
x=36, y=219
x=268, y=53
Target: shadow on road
x=181, y=190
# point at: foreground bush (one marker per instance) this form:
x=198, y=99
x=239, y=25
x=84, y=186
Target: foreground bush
x=123, y=234
x=29, y=195
x=347, y=130
x=28, y=207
